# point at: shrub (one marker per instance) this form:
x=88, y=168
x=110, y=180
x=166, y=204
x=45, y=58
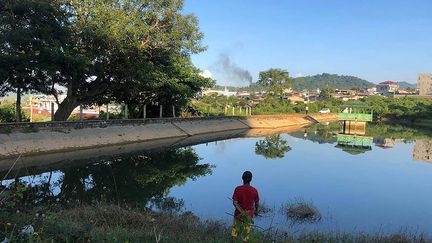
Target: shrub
x=7, y=113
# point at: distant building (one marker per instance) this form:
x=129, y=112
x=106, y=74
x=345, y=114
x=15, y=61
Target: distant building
x=384, y=143
x=424, y=83
x=42, y=104
x=224, y=92
x=243, y=94
x=296, y=98
x=423, y=150
x=404, y=92
x=387, y=87
x=372, y=90
x=345, y=97
x=345, y=92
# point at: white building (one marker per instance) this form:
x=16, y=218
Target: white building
x=224, y=92
x=44, y=102
x=41, y=103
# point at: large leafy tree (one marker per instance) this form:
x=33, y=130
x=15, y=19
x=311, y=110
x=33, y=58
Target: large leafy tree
x=275, y=80
x=169, y=85
x=129, y=51
x=31, y=33
x=115, y=50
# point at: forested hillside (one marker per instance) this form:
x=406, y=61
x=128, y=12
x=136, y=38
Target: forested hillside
x=326, y=80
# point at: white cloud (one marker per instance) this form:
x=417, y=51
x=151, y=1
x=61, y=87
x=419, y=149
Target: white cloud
x=206, y=74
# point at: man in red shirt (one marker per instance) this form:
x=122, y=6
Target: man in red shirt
x=246, y=201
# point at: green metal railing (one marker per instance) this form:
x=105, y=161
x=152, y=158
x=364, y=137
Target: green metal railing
x=354, y=140
x=355, y=116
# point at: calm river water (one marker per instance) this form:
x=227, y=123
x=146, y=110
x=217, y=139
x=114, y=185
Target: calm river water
x=383, y=184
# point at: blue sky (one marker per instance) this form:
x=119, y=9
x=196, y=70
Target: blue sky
x=373, y=39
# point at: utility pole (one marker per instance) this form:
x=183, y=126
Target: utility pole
x=52, y=111
x=81, y=113
x=31, y=109
x=145, y=112
x=126, y=115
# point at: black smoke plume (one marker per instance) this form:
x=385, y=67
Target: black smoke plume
x=232, y=71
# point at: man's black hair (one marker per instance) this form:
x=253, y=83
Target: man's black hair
x=247, y=177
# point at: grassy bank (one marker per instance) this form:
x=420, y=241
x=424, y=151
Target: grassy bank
x=110, y=223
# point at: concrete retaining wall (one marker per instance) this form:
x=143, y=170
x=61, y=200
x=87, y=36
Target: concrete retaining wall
x=325, y=117
x=275, y=121
x=37, y=138
x=210, y=125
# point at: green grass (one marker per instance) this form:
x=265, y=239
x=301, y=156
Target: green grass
x=110, y=223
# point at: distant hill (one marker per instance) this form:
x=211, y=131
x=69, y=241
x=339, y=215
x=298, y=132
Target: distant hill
x=326, y=80
x=405, y=85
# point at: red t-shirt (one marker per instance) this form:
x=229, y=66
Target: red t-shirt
x=246, y=196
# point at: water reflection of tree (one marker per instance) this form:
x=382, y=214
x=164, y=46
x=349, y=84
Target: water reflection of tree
x=272, y=147
x=132, y=180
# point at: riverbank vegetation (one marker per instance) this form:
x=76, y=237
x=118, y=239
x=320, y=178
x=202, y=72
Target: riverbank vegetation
x=214, y=105
x=384, y=108
x=26, y=218
x=111, y=223
x=401, y=108
x=8, y=113
x=406, y=110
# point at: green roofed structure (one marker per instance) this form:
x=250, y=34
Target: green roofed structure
x=356, y=112
x=354, y=144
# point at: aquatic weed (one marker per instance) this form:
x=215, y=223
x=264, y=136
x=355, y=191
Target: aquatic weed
x=300, y=211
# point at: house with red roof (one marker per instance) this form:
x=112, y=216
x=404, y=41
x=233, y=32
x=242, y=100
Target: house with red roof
x=387, y=88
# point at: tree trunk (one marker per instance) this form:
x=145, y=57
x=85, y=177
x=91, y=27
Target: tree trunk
x=65, y=109
x=18, y=116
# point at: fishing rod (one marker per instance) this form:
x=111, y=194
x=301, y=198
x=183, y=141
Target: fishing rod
x=256, y=226
x=242, y=211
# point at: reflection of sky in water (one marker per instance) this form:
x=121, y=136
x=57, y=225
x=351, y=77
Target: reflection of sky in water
x=34, y=180
x=380, y=190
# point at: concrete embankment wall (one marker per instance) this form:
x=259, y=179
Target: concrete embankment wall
x=276, y=121
x=327, y=117
x=36, y=138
